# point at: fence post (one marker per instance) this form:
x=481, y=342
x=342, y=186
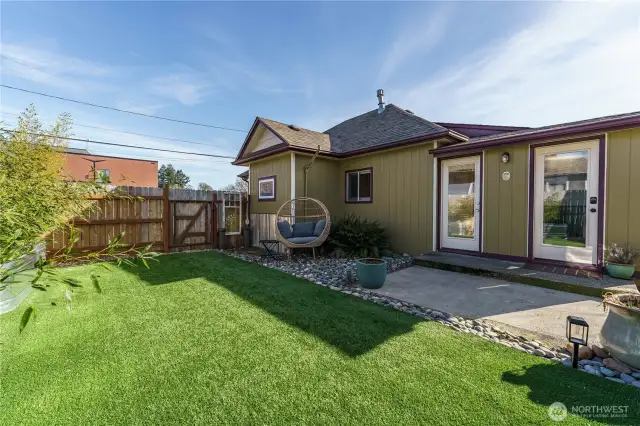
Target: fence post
x=214, y=220
x=166, y=212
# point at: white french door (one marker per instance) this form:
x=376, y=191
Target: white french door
x=460, y=204
x=566, y=209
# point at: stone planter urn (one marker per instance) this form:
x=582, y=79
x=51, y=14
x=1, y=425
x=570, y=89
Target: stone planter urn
x=620, y=333
x=618, y=270
x=371, y=272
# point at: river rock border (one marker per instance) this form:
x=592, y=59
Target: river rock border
x=339, y=275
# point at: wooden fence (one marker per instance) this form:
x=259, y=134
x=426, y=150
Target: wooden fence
x=170, y=219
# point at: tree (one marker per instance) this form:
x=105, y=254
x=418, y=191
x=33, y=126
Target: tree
x=239, y=185
x=202, y=186
x=36, y=199
x=168, y=175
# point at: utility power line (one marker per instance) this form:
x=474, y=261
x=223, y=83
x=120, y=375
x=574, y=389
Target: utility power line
x=27, y=65
x=123, y=110
x=132, y=133
x=125, y=146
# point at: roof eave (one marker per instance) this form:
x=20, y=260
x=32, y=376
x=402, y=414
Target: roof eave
x=606, y=126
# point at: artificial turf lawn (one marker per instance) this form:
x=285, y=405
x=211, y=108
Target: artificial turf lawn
x=202, y=338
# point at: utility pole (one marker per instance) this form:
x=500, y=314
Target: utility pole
x=94, y=162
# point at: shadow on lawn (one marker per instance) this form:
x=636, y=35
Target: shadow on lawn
x=584, y=395
x=352, y=325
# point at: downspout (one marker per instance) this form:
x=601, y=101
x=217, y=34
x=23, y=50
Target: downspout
x=307, y=167
x=306, y=175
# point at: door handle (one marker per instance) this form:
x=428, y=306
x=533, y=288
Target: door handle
x=592, y=210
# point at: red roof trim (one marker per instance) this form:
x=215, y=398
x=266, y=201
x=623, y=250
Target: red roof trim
x=280, y=148
x=584, y=128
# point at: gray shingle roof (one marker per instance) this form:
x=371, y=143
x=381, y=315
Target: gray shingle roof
x=364, y=131
x=371, y=129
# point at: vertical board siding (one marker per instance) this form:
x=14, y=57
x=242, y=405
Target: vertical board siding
x=506, y=202
x=323, y=182
x=280, y=167
x=622, y=198
x=264, y=225
x=402, y=195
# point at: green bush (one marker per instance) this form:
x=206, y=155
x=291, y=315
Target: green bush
x=355, y=236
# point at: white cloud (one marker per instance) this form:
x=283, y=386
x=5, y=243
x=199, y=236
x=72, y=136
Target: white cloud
x=576, y=61
x=184, y=85
x=416, y=38
x=48, y=67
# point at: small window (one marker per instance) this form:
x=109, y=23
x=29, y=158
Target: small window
x=267, y=188
x=232, y=213
x=103, y=176
x=359, y=186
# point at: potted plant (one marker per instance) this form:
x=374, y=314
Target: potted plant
x=621, y=261
x=372, y=272
x=620, y=333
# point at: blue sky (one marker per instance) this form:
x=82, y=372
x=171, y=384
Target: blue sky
x=312, y=64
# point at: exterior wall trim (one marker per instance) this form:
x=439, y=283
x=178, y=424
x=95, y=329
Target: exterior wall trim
x=601, y=194
x=439, y=198
x=283, y=147
x=293, y=175
x=346, y=173
x=569, y=131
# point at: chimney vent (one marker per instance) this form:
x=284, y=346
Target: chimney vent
x=380, y=94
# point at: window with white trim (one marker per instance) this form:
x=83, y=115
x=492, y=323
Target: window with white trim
x=232, y=213
x=359, y=186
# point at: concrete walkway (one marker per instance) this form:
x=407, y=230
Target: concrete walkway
x=540, y=311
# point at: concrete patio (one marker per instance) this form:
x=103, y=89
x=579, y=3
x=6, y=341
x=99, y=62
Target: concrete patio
x=539, y=311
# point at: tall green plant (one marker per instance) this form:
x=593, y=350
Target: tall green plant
x=356, y=236
x=37, y=198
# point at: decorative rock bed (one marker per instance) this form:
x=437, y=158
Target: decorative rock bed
x=340, y=275
x=324, y=270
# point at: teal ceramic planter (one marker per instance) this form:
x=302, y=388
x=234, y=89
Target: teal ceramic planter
x=372, y=273
x=624, y=272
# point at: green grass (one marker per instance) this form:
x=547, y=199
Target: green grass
x=557, y=237
x=206, y=339
x=560, y=241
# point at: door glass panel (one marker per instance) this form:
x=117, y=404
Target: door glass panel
x=565, y=199
x=461, y=200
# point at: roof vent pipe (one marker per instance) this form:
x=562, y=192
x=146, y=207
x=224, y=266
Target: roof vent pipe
x=380, y=94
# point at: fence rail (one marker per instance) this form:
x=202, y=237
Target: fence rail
x=169, y=219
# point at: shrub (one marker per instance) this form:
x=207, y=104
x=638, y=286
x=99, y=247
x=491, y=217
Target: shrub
x=621, y=255
x=36, y=198
x=355, y=236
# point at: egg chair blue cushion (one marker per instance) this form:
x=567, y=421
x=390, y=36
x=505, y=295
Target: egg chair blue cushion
x=320, y=225
x=285, y=229
x=301, y=240
x=303, y=229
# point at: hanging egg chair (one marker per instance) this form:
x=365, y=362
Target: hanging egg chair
x=303, y=223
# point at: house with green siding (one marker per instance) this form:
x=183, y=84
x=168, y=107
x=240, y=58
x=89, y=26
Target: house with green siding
x=556, y=194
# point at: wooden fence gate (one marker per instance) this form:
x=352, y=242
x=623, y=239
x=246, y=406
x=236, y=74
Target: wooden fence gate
x=192, y=224
x=169, y=219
